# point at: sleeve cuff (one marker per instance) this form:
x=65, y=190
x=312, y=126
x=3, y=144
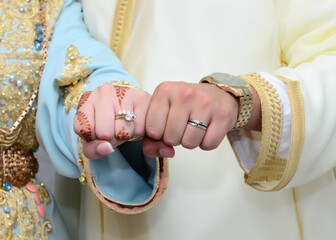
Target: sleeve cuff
x=131, y=186
x=270, y=158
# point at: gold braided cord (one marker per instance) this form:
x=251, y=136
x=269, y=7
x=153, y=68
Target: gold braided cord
x=102, y=221
x=122, y=26
x=298, y=216
x=298, y=129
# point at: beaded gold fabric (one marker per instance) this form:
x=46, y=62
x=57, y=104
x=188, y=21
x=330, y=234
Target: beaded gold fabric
x=18, y=78
x=22, y=209
x=73, y=78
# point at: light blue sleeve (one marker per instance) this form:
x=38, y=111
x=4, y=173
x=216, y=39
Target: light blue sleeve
x=126, y=176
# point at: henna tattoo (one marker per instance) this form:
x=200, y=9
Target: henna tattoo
x=123, y=135
x=120, y=92
x=83, y=99
x=84, y=123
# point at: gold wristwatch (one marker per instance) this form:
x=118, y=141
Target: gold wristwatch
x=239, y=89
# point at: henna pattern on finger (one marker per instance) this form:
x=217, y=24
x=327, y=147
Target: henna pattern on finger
x=84, y=123
x=83, y=99
x=120, y=92
x=123, y=135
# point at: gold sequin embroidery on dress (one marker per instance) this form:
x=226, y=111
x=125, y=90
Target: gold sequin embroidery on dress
x=73, y=80
x=22, y=41
x=18, y=37
x=22, y=208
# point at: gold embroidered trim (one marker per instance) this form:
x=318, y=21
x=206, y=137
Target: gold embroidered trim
x=269, y=168
x=298, y=129
x=15, y=55
x=120, y=83
x=102, y=221
x=20, y=216
x=122, y=26
x=87, y=178
x=75, y=67
x=298, y=216
x=73, y=80
x=20, y=79
x=18, y=19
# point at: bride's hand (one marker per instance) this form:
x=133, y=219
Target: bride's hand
x=100, y=123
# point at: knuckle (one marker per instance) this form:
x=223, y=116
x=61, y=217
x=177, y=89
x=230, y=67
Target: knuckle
x=207, y=146
x=143, y=97
x=171, y=141
x=163, y=88
x=205, y=101
x=105, y=89
x=139, y=132
x=104, y=135
x=153, y=133
x=224, y=113
x=187, y=93
x=189, y=145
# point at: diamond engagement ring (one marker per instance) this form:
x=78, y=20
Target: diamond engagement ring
x=125, y=114
x=198, y=124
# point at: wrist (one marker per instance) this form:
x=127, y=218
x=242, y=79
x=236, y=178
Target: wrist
x=239, y=89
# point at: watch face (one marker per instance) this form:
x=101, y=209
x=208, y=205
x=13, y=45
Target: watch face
x=228, y=79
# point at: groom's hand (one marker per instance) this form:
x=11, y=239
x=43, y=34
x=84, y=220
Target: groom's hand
x=191, y=115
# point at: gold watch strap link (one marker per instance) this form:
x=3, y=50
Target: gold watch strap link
x=246, y=104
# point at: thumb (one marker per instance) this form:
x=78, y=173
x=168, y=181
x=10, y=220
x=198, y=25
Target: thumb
x=97, y=149
x=157, y=148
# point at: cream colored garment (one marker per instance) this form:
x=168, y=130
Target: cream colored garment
x=175, y=40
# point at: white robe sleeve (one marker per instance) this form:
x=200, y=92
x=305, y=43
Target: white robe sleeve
x=298, y=135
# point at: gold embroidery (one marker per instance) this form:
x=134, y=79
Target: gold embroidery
x=298, y=216
x=73, y=79
x=298, y=129
x=20, y=218
x=19, y=79
x=120, y=83
x=122, y=26
x=72, y=94
x=74, y=69
x=18, y=19
x=14, y=96
x=269, y=167
x=102, y=222
x=271, y=172
x=20, y=62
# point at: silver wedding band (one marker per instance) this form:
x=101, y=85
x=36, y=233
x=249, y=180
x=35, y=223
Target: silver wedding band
x=198, y=124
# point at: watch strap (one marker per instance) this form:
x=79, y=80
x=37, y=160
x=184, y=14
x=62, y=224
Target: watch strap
x=245, y=107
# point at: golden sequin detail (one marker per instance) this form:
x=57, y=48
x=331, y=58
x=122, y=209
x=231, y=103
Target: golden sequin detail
x=18, y=79
x=19, y=211
x=22, y=210
x=73, y=78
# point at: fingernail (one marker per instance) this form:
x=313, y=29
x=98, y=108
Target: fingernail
x=104, y=149
x=162, y=152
